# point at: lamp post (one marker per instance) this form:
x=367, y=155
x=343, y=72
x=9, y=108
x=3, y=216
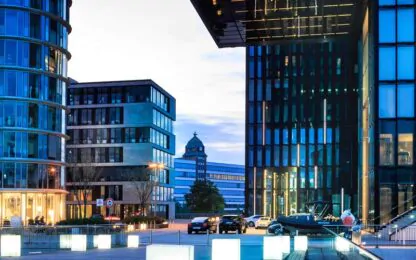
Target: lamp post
x=156, y=167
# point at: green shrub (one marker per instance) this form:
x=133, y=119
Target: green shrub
x=143, y=219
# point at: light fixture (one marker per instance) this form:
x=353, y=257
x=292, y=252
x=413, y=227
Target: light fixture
x=271, y=248
x=104, y=242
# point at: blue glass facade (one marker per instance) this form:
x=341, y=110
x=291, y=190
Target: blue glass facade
x=33, y=81
x=395, y=108
x=228, y=178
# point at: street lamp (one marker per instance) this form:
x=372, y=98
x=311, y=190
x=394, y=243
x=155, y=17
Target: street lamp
x=156, y=167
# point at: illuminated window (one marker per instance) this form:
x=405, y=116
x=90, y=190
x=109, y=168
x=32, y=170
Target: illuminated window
x=386, y=149
x=405, y=149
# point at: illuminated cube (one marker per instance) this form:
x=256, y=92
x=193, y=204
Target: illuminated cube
x=169, y=252
x=342, y=244
x=10, y=245
x=79, y=243
x=65, y=241
x=104, y=242
x=226, y=249
x=301, y=243
x=272, y=250
x=133, y=241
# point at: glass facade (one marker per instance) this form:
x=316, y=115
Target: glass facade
x=394, y=123
x=301, y=127
x=120, y=128
x=33, y=82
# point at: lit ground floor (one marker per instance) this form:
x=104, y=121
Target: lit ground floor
x=27, y=206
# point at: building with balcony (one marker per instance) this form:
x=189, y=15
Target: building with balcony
x=120, y=129
x=228, y=178
x=330, y=102
x=33, y=83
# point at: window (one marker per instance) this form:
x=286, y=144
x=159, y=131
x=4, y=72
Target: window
x=387, y=101
x=386, y=149
x=102, y=96
x=405, y=25
x=406, y=62
x=115, y=115
x=387, y=63
x=130, y=135
x=387, y=26
x=405, y=101
x=405, y=149
x=115, y=135
x=387, y=2
x=100, y=115
x=86, y=116
x=102, y=135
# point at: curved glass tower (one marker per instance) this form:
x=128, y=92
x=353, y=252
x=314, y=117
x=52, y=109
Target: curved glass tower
x=33, y=81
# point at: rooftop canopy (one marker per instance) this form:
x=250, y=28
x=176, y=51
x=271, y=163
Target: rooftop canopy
x=237, y=23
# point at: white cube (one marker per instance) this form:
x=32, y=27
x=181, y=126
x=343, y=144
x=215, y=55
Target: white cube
x=342, y=244
x=95, y=241
x=65, y=241
x=10, y=245
x=104, y=242
x=284, y=243
x=272, y=250
x=301, y=243
x=79, y=243
x=225, y=249
x=169, y=252
x=133, y=241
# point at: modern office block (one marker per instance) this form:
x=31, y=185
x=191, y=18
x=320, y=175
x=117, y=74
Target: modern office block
x=33, y=83
x=121, y=129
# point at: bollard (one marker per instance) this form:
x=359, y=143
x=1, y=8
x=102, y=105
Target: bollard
x=208, y=237
x=179, y=237
x=151, y=238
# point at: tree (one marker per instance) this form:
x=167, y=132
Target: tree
x=204, y=197
x=143, y=182
x=83, y=177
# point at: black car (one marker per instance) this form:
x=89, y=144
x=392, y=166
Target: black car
x=232, y=223
x=202, y=224
x=275, y=228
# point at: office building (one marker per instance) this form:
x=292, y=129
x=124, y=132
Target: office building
x=228, y=178
x=33, y=82
x=120, y=129
x=334, y=58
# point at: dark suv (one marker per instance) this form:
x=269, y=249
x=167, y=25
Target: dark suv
x=232, y=223
x=202, y=224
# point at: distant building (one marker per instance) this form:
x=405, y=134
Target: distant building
x=229, y=178
x=120, y=127
x=195, y=150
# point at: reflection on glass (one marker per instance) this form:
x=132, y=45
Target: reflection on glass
x=386, y=149
x=405, y=149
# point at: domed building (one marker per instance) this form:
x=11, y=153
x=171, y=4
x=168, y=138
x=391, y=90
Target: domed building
x=195, y=150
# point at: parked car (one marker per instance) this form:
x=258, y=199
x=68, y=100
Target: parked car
x=263, y=222
x=202, y=224
x=232, y=223
x=251, y=221
x=275, y=228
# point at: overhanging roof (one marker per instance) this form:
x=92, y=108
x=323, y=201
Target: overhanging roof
x=237, y=23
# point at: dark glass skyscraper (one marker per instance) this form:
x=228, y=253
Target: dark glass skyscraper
x=301, y=127
x=33, y=80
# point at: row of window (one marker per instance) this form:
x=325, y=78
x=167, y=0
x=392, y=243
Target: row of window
x=96, y=116
x=401, y=18
x=294, y=48
x=32, y=55
x=56, y=7
x=297, y=136
x=227, y=177
x=32, y=176
x=163, y=157
x=160, y=99
x=28, y=85
x=161, y=193
x=16, y=114
x=162, y=121
x=26, y=24
x=107, y=95
x=294, y=155
x=30, y=145
x=397, y=63
x=95, y=155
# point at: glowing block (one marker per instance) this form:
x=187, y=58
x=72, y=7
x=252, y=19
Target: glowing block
x=143, y=226
x=301, y=243
x=95, y=241
x=284, y=244
x=133, y=241
x=272, y=250
x=342, y=244
x=130, y=228
x=65, y=241
x=169, y=252
x=10, y=245
x=79, y=243
x=104, y=241
x=226, y=249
